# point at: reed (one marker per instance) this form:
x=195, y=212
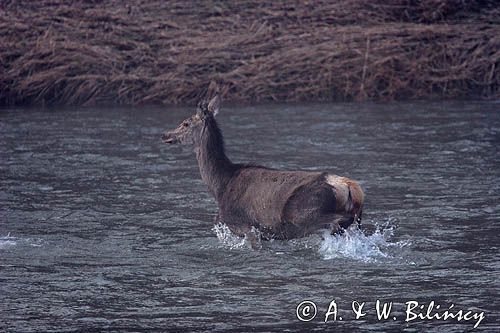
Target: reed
x=155, y=52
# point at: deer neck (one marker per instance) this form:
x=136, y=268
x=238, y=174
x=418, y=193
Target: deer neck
x=215, y=168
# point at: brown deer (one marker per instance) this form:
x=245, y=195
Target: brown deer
x=280, y=204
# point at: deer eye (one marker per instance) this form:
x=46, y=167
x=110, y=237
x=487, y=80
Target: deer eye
x=185, y=124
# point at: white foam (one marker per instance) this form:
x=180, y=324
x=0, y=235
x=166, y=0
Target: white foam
x=353, y=244
x=227, y=238
x=7, y=241
x=232, y=241
x=10, y=241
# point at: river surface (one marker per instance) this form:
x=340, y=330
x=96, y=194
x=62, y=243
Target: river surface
x=105, y=228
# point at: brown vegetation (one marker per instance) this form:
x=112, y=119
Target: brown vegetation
x=155, y=52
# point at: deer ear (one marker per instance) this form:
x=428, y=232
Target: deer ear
x=214, y=105
x=199, y=113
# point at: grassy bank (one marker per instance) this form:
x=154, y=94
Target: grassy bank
x=155, y=52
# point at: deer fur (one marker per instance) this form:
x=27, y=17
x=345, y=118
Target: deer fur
x=280, y=204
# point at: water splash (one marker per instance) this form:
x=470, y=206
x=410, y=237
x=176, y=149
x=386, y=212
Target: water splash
x=7, y=241
x=227, y=238
x=232, y=241
x=353, y=244
x=11, y=241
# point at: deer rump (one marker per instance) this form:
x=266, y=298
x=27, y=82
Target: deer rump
x=288, y=204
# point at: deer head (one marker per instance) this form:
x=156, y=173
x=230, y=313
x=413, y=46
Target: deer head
x=189, y=131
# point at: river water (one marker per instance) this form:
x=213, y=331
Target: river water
x=105, y=228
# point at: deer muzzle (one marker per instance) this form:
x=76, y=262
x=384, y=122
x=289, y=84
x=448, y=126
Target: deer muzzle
x=169, y=138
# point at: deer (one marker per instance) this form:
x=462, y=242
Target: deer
x=256, y=201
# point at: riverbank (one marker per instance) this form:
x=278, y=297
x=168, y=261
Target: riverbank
x=151, y=52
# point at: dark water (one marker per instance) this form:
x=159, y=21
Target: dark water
x=104, y=228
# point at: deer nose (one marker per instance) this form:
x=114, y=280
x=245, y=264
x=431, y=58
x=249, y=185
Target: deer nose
x=167, y=138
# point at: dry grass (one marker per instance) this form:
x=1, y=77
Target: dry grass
x=155, y=52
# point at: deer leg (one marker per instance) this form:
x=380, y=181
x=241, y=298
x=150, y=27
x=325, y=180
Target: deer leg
x=248, y=232
x=251, y=236
x=336, y=229
x=358, y=218
x=252, y=239
x=343, y=222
